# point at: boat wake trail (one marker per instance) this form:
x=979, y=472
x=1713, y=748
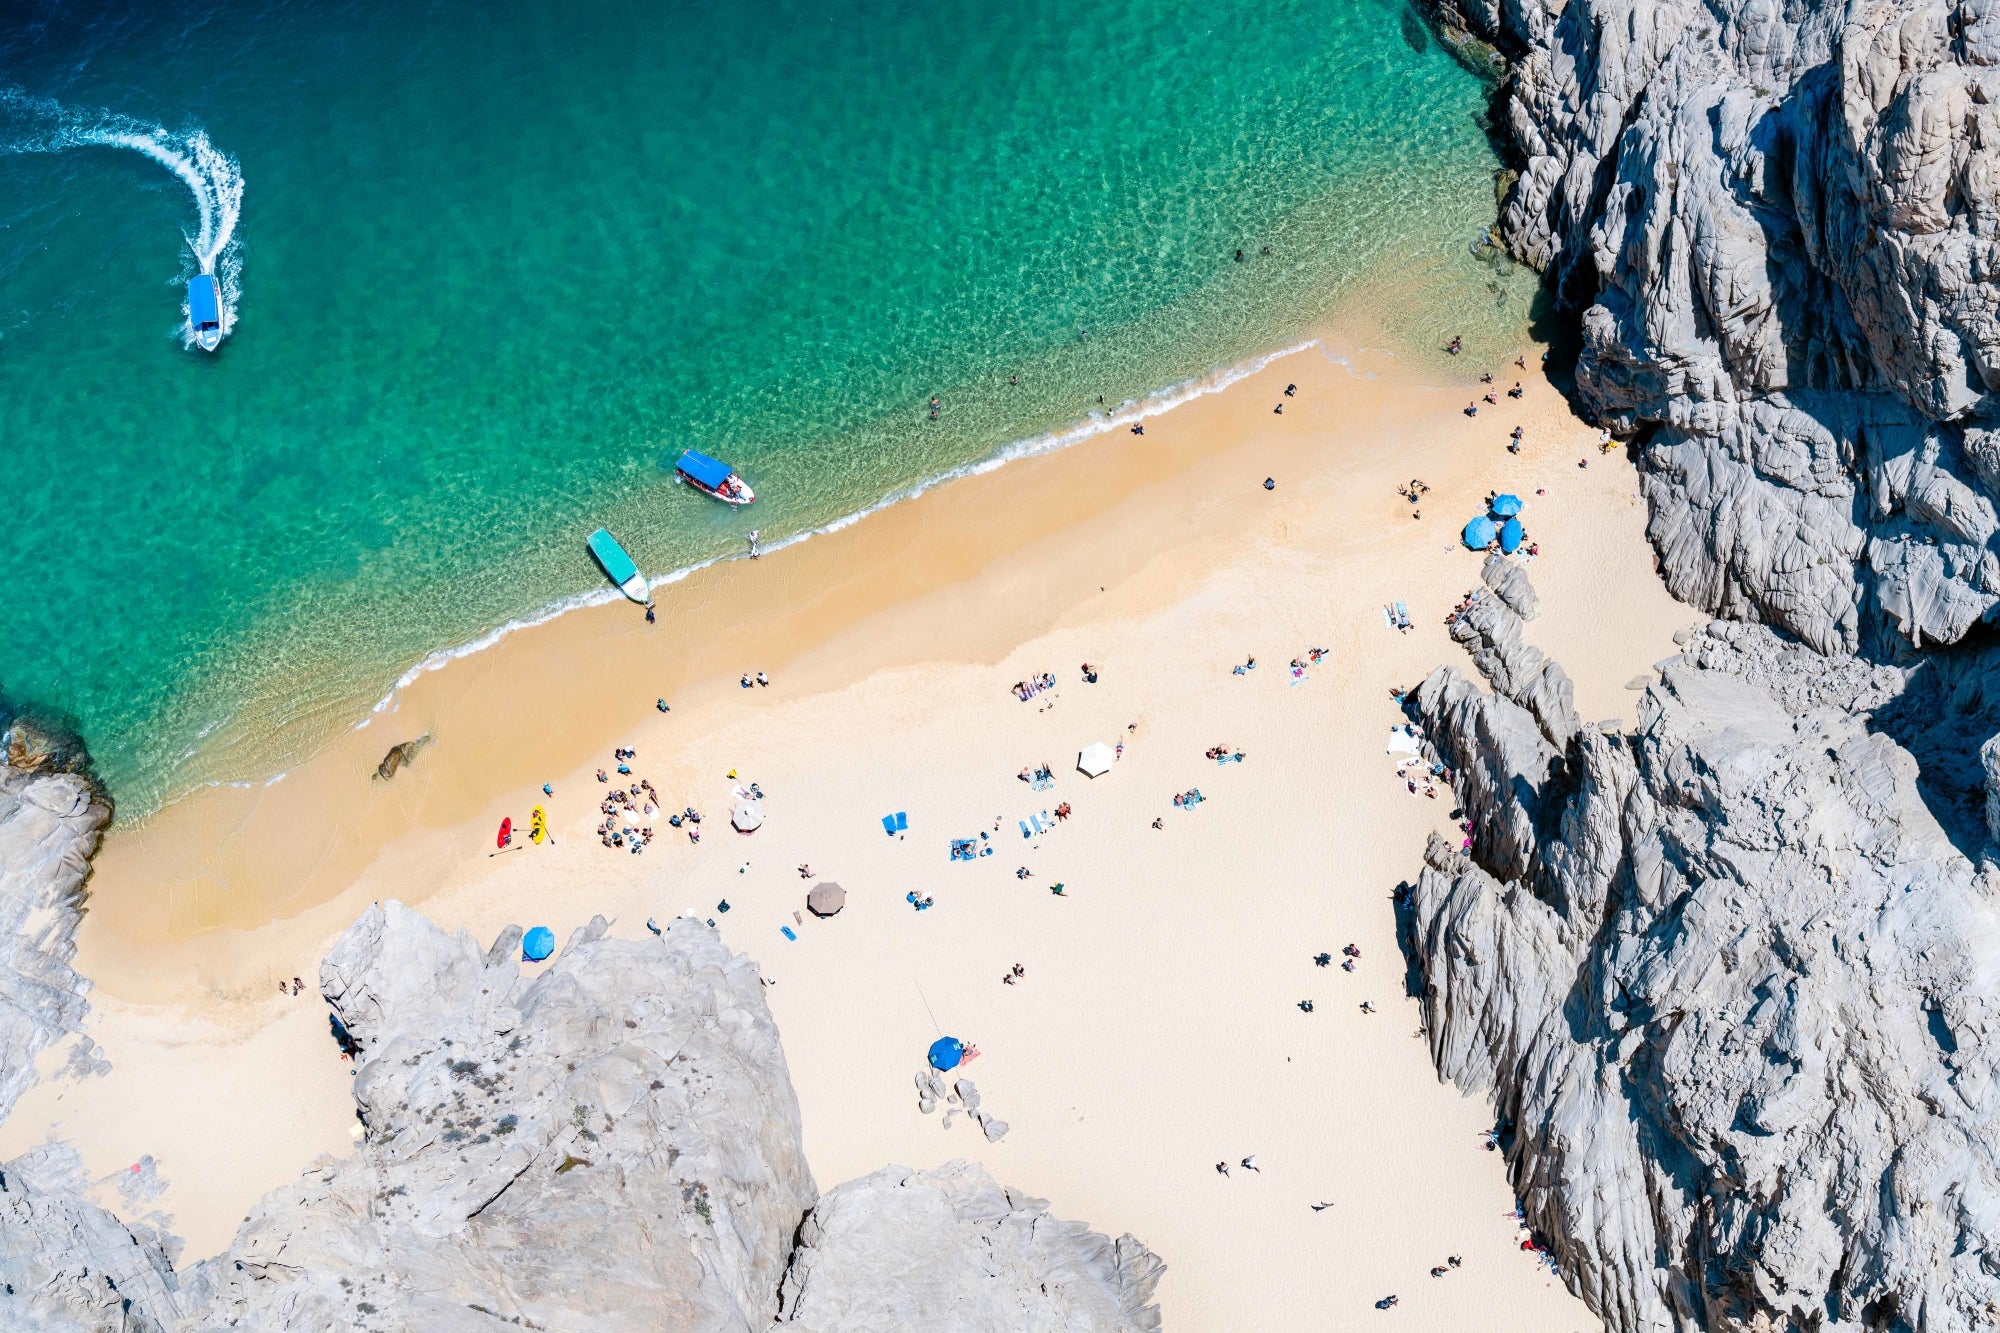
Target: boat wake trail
x=211, y=176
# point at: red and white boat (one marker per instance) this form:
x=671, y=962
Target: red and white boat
x=712, y=477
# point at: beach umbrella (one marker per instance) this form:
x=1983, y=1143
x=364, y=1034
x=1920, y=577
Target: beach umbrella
x=1096, y=759
x=1506, y=506
x=1479, y=533
x=538, y=944
x=747, y=817
x=1511, y=535
x=826, y=898
x=946, y=1052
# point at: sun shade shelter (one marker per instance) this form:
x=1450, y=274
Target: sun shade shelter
x=1511, y=535
x=1096, y=760
x=700, y=467
x=1506, y=506
x=826, y=898
x=538, y=944
x=946, y=1052
x=748, y=817
x=1479, y=533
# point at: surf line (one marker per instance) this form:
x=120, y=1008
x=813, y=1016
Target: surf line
x=212, y=177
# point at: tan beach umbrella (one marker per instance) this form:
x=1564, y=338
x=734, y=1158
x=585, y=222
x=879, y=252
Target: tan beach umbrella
x=1096, y=760
x=826, y=898
x=747, y=817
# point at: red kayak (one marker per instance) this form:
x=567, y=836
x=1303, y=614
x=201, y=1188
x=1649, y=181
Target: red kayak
x=506, y=831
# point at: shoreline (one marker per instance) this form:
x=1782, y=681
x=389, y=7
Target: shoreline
x=1071, y=435
x=890, y=650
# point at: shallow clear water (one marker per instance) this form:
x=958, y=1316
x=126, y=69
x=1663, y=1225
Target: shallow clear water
x=496, y=261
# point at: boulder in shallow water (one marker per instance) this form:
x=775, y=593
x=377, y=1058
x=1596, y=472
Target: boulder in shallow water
x=400, y=756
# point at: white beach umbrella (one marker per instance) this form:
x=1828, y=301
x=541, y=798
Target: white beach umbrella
x=747, y=817
x=1096, y=760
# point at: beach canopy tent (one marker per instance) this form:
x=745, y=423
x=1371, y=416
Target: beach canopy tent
x=826, y=898
x=946, y=1052
x=1506, y=506
x=1511, y=535
x=1479, y=533
x=1096, y=759
x=747, y=817
x=538, y=944
x=700, y=467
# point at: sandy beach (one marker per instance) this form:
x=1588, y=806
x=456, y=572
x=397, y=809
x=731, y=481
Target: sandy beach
x=1156, y=1028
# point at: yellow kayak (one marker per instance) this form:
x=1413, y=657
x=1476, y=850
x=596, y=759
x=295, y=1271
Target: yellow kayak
x=538, y=824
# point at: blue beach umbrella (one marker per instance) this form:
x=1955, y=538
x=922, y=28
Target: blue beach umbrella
x=1510, y=535
x=1506, y=506
x=538, y=944
x=1479, y=533
x=946, y=1052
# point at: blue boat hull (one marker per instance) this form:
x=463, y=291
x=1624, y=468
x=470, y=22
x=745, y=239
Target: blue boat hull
x=205, y=311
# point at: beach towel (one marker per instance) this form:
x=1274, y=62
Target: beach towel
x=1024, y=828
x=1403, y=740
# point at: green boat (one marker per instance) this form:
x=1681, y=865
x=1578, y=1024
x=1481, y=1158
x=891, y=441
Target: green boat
x=619, y=567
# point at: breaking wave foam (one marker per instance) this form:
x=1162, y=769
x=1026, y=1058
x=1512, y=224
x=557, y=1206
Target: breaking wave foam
x=212, y=177
x=1097, y=423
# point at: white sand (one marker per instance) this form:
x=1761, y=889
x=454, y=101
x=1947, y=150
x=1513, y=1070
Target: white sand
x=1156, y=1030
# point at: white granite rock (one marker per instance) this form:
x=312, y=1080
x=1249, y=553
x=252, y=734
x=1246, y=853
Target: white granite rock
x=1734, y=996
x=612, y=1143
x=49, y=826
x=1778, y=223
x=949, y=1249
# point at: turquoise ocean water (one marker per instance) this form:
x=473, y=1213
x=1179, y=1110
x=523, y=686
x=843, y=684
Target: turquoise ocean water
x=489, y=264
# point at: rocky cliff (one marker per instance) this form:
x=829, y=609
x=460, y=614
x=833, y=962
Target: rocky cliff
x=1728, y=977
x=610, y=1144
x=1730, y=981
x=49, y=826
x=1777, y=224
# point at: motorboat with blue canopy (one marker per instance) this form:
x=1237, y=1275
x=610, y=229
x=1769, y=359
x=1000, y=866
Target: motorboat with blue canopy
x=205, y=311
x=713, y=477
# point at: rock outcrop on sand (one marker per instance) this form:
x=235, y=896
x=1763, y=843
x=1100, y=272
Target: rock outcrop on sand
x=950, y=1249
x=1778, y=222
x=612, y=1143
x=1730, y=980
x=49, y=826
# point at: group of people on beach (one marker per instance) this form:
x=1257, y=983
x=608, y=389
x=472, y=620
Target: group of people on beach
x=1025, y=690
x=1414, y=493
x=1492, y=399
x=639, y=799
